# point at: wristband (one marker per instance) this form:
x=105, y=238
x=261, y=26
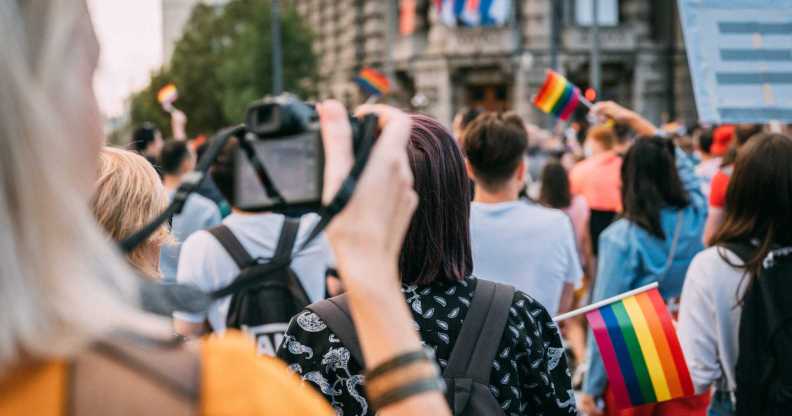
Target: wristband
x=401, y=360
x=403, y=392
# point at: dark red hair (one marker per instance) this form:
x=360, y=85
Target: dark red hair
x=437, y=244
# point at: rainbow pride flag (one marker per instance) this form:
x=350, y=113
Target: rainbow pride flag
x=373, y=81
x=640, y=350
x=558, y=96
x=167, y=94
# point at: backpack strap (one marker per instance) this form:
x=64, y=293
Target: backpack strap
x=674, y=243
x=283, y=253
x=163, y=371
x=288, y=236
x=481, y=333
x=335, y=313
x=231, y=244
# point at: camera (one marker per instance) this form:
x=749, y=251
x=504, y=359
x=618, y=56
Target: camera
x=279, y=164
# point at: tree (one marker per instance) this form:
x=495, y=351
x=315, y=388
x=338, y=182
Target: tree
x=223, y=62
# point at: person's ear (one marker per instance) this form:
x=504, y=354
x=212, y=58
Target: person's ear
x=521, y=168
x=469, y=169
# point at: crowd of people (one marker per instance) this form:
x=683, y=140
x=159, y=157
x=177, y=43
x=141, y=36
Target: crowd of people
x=432, y=291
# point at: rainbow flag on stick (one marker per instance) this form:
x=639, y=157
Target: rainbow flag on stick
x=639, y=347
x=373, y=82
x=558, y=96
x=167, y=95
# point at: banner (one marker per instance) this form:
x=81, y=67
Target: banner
x=740, y=58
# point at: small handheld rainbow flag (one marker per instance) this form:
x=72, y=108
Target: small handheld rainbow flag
x=639, y=347
x=558, y=96
x=167, y=94
x=373, y=82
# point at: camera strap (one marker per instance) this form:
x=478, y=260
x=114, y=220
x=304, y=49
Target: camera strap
x=190, y=184
x=344, y=194
x=339, y=201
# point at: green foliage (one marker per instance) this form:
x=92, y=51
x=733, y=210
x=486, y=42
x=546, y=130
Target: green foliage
x=224, y=61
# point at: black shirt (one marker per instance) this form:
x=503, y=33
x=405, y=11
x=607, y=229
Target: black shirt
x=529, y=376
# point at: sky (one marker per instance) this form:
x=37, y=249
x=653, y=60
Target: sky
x=130, y=36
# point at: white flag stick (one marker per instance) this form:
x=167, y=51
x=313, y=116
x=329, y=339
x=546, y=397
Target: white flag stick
x=597, y=305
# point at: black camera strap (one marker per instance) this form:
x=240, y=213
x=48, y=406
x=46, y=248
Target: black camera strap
x=194, y=180
x=339, y=201
x=190, y=184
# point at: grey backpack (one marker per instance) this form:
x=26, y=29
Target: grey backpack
x=468, y=372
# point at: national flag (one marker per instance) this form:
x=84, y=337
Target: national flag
x=640, y=350
x=557, y=96
x=497, y=12
x=167, y=94
x=471, y=12
x=373, y=81
x=407, y=17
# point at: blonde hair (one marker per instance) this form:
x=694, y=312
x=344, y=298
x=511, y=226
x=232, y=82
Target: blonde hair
x=61, y=284
x=604, y=135
x=128, y=195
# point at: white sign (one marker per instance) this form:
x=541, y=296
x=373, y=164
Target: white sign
x=740, y=58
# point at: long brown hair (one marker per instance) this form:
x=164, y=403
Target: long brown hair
x=650, y=182
x=759, y=199
x=555, y=186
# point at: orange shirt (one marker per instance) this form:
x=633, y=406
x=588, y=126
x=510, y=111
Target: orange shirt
x=598, y=179
x=234, y=381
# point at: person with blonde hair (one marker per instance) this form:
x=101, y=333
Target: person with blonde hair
x=598, y=179
x=70, y=315
x=128, y=195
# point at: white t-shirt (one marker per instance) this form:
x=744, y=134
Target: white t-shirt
x=527, y=246
x=205, y=263
x=709, y=319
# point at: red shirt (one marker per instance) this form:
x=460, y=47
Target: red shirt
x=720, y=182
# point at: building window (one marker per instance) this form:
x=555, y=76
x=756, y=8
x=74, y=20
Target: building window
x=607, y=12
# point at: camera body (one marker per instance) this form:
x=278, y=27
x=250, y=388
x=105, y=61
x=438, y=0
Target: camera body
x=286, y=174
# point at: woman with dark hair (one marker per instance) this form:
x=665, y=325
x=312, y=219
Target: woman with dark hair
x=720, y=181
x=655, y=239
x=757, y=215
x=528, y=375
x=555, y=194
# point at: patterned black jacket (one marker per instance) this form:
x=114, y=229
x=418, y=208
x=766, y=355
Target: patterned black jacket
x=530, y=374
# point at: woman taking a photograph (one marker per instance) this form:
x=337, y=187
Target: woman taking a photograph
x=69, y=304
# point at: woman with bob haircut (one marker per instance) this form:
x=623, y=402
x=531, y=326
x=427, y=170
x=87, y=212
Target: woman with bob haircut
x=529, y=374
x=756, y=216
x=128, y=195
x=655, y=240
x=69, y=302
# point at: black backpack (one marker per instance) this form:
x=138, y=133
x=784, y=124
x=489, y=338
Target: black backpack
x=265, y=295
x=468, y=372
x=764, y=363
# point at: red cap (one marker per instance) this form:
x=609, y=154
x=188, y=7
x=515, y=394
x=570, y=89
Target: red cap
x=721, y=140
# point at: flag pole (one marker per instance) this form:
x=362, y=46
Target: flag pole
x=597, y=305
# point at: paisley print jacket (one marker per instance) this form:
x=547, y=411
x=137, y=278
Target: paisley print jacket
x=530, y=375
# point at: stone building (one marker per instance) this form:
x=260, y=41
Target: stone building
x=499, y=68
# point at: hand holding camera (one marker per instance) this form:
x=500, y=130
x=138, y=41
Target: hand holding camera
x=371, y=227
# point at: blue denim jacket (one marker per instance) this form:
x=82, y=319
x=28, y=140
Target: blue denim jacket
x=630, y=257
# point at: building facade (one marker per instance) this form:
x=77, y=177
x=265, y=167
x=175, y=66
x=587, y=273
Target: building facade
x=441, y=69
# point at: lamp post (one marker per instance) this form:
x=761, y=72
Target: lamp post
x=277, y=52
x=596, y=70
